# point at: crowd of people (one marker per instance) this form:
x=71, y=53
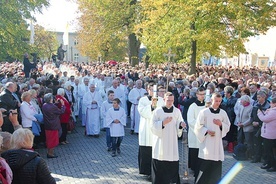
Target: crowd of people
x=220, y=107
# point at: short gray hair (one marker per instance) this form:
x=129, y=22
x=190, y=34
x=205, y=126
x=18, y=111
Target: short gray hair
x=60, y=91
x=245, y=98
x=48, y=97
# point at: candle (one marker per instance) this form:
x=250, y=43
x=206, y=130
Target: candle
x=155, y=91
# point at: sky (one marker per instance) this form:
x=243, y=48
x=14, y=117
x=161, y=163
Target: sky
x=60, y=12
x=56, y=16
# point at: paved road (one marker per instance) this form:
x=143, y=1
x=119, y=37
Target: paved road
x=85, y=160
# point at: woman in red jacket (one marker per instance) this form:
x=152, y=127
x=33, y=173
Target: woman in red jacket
x=65, y=117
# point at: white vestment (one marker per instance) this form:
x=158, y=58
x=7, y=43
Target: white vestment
x=104, y=108
x=92, y=112
x=145, y=111
x=133, y=96
x=165, y=139
x=211, y=147
x=192, y=115
x=116, y=129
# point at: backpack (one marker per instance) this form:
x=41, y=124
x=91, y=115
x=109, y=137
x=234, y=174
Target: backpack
x=240, y=152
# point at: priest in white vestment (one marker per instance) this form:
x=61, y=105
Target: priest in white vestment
x=167, y=125
x=211, y=126
x=92, y=102
x=134, y=96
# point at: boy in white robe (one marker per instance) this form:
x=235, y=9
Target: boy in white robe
x=211, y=126
x=116, y=120
x=104, y=108
x=166, y=125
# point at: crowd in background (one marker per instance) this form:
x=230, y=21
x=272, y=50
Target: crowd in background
x=48, y=97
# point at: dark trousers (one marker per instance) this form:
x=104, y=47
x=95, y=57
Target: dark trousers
x=144, y=159
x=108, y=138
x=268, y=152
x=193, y=160
x=209, y=172
x=231, y=136
x=257, y=146
x=64, y=132
x=116, y=143
x=165, y=172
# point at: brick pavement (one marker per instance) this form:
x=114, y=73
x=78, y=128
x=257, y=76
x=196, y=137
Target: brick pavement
x=85, y=160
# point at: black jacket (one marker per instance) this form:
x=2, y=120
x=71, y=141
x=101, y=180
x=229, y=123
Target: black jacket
x=28, y=167
x=229, y=108
x=7, y=101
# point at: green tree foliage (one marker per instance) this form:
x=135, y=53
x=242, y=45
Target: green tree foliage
x=192, y=28
x=45, y=42
x=107, y=29
x=14, y=36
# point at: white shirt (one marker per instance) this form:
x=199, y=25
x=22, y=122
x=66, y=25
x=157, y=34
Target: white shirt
x=27, y=113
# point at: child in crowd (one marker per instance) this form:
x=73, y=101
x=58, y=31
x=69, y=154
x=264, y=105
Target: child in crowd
x=104, y=108
x=116, y=120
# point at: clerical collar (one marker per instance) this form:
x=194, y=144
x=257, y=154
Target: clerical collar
x=199, y=103
x=215, y=111
x=116, y=109
x=111, y=102
x=165, y=109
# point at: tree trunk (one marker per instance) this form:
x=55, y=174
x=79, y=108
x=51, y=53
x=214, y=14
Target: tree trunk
x=133, y=49
x=193, y=56
x=147, y=61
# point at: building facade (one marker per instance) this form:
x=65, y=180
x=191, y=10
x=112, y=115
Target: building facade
x=72, y=53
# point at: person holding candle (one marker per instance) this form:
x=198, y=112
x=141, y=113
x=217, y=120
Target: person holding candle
x=146, y=106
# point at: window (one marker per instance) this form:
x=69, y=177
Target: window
x=76, y=42
x=76, y=57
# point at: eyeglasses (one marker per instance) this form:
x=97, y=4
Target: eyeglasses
x=201, y=93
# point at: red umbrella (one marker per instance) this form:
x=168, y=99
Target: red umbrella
x=112, y=62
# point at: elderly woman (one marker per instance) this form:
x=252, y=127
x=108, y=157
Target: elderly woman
x=26, y=164
x=34, y=101
x=52, y=125
x=268, y=132
x=27, y=111
x=65, y=117
x=245, y=127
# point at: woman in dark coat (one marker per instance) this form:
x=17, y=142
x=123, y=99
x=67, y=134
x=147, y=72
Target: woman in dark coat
x=52, y=125
x=27, y=166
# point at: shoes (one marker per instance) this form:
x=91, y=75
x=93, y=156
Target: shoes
x=272, y=169
x=109, y=149
x=113, y=154
x=62, y=143
x=51, y=156
x=118, y=150
x=265, y=166
x=256, y=160
x=66, y=142
x=131, y=132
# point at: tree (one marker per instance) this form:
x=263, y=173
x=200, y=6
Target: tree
x=14, y=34
x=201, y=26
x=107, y=29
x=45, y=42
